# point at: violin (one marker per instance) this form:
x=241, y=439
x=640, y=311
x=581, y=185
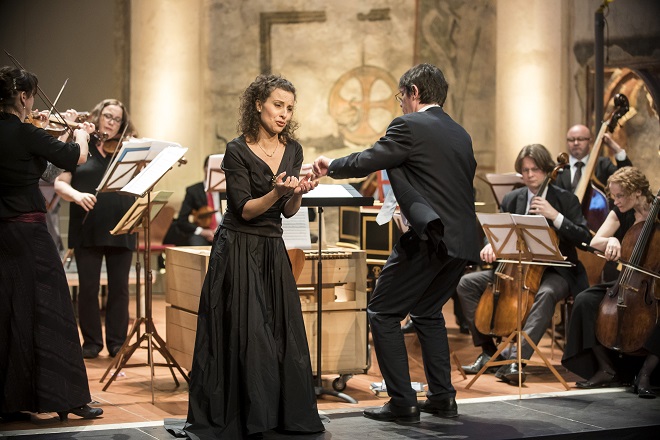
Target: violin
x=203, y=216
x=630, y=309
x=595, y=206
x=497, y=311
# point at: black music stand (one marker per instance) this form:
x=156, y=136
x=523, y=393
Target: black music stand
x=326, y=196
x=521, y=239
x=502, y=184
x=137, y=174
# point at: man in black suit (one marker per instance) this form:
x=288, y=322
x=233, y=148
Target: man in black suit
x=578, y=139
x=431, y=166
x=183, y=231
x=562, y=210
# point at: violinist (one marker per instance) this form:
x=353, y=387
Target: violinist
x=35, y=304
x=578, y=141
x=199, y=216
x=584, y=355
x=91, y=218
x=563, y=213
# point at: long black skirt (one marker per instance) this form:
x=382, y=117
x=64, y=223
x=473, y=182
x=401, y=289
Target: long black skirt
x=251, y=368
x=41, y=363
x=579, y=356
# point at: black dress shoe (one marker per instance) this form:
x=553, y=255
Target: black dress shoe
x=408, y=327
x=91, y=352
x=442, y=407
x=85, y=412
x=406, y=415
x=602, y=379
x=114, y=350
x=509, y=374
x=478, y=364
x=644, y=393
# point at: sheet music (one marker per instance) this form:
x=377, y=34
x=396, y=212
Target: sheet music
x=215, y=176
x=542, y=235
x=296, y=230
x=326, y=191
x=156, y=169
x=126, y=164
x=130, y=220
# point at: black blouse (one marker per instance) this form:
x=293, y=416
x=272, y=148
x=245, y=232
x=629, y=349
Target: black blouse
x=109, y=209
x=25, y=151
x=249, y=177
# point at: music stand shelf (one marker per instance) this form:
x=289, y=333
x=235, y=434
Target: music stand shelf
x=328, y=196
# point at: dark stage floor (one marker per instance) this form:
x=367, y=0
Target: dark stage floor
x=604, y=414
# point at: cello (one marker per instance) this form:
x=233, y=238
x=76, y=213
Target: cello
x=595, y=206
x=630, y=309
x=497, y=311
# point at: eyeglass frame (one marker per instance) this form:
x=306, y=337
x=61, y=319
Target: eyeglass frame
x=108, y=117
x=579, y=139
x=399, y=97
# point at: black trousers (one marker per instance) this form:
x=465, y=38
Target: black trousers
x=118, y=264
x=418, y=281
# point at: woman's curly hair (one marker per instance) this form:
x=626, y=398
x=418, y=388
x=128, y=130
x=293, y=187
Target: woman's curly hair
x=631, y=179
x=259, y=91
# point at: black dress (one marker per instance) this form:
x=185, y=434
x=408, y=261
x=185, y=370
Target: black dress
x=578, y=354
x=251, y=368
x=41, y=364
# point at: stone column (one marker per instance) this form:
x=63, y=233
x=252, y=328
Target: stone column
x=166, y=81
x=532, y=77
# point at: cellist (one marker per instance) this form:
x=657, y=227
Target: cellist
x=584, y=355
x=564, y=214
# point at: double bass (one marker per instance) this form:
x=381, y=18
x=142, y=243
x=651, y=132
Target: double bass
x=497, y=311
x=595, y=206
x=630, y=309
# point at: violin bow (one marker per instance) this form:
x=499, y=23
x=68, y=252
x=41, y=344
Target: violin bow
x=41, y=93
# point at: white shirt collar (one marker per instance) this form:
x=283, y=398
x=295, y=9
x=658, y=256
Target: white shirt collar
x=572, y=161
x=426, y=107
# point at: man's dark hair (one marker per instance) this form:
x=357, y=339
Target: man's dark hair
x=430, y=82
x=539, y=154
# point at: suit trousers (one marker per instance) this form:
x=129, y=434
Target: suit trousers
x=118, y=264
x=414, y=280
x=553, y=288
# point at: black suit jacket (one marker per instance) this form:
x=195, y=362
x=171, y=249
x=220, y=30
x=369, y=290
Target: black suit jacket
x=181, y=229
x=604, y=169
x=431, y=166
x=573, y=231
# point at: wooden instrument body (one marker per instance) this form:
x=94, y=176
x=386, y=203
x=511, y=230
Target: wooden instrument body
x=630, y=309
x=497, y=311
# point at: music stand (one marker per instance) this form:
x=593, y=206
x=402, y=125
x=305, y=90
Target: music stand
x=502, y=184
x=215, y=176
x=326, y=196
x=136, y=174
x=521, y=239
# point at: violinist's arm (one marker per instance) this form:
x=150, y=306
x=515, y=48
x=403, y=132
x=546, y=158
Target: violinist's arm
x=67, y=192
x=604, y=239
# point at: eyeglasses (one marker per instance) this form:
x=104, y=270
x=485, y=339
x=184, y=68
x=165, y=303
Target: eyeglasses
x=399, y=97
x=530, y=170
x=578, y=139
x=108, y=117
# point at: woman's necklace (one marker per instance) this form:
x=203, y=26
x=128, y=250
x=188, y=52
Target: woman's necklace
x=262, y=149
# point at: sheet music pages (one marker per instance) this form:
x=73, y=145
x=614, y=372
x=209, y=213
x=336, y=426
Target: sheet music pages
x=137, y=210
x=296, y=230
x=499, y=226
x=125, y=164
x=156, y=169
x=215, y=176
x=540, y=243
x=327, y=191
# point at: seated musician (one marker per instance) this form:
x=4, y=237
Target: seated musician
x=196, y=222
x=563, y=212
x=584, y=355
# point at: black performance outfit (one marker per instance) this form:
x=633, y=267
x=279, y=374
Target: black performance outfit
x=182, y=231
x=431, y=166
x=557, y=282
x=91, y=241
x=603, y=170
x=579, y=357
x=41, y=364
x=251, y=368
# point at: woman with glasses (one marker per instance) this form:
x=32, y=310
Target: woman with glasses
x=41, y=366
x=91, y=217
x=584, y=355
